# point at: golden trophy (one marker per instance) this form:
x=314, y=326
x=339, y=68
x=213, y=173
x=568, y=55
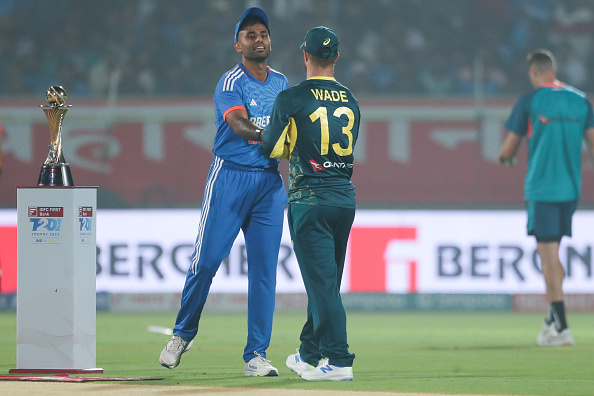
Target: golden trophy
x=55, y=171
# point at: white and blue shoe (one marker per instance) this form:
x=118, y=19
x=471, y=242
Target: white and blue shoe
x=298, y=365
x=328, y=372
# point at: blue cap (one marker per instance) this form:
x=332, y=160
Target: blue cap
x=253, y=11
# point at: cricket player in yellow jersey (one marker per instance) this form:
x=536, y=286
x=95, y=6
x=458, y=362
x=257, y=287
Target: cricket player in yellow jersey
x=315, y=125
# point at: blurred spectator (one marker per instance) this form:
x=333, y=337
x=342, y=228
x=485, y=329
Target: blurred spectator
x=483, y=74
x=437, y=77
x=573, y=25
x=571, y=36
x=149, y=47
x=574, y=68
x=105, y=74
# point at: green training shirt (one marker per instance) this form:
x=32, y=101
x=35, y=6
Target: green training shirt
x=553, y=118
x=315, y=125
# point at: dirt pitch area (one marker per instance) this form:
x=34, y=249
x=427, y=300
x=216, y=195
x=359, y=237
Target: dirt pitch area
x=9, y=388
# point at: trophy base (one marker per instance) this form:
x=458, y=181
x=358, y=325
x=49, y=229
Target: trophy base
x=55, y=175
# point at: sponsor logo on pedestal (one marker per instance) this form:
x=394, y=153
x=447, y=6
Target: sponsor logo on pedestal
x=45, y=223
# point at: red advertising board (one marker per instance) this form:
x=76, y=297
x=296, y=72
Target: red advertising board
x=149, y=154
x=8, y=258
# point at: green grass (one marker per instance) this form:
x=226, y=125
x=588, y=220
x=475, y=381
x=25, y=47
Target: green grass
x=479, y=353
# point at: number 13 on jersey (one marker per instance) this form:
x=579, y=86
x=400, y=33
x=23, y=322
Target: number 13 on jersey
x=321, y=114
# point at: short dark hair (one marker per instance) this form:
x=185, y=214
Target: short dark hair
x=543, y=60
x=252, y=20
x=322, y=62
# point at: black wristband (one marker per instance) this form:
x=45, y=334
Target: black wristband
x=259, y=135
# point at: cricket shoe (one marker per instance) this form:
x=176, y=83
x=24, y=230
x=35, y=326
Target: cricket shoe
x=171, y=354
x=259, y=367
x=328, y=372
x=549, y=336
x=298, y=365
x=548, y=329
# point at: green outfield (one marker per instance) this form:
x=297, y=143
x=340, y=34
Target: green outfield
x=459, y=353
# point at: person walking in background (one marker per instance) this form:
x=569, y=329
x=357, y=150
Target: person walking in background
x=554, y=118
x=315, y=125
x=244, y=191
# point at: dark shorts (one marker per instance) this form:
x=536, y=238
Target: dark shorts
x=550, y=221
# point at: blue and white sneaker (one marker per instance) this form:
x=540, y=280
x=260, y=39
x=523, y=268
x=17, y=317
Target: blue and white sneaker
x=259, y=367
x=298, y=365
x=328, y=372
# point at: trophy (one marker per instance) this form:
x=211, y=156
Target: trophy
x=55, y=171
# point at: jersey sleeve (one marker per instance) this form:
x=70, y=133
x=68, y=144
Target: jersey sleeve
x=281, y=133
x=228, y=96
x=589, y=116
x=518, y=121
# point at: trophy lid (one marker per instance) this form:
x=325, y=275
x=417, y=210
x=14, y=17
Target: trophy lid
x=56, y=96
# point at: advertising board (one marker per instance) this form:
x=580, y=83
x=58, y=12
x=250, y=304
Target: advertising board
x=390, y=251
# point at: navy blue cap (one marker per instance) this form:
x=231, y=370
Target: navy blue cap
x=253, y=11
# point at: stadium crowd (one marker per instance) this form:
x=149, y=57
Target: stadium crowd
x=156, y=48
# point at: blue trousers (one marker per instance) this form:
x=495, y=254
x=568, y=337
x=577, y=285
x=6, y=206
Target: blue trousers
x=237, y=198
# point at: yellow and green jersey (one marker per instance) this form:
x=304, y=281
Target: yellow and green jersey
x=315, y=125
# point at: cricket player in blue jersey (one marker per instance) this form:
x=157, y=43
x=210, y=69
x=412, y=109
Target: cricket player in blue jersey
x=555, y=119
x=244, y=191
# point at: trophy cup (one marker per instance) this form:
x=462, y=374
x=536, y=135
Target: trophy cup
x=55, y=171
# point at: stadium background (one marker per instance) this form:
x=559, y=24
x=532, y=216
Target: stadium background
x=436, y=81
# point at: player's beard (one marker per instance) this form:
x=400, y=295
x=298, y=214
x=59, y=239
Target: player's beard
x=258, y=57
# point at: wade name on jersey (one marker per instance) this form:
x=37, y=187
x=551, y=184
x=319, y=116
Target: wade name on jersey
x=331, y=95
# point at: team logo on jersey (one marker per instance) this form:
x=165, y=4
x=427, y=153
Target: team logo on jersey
x=316, y=167
x=339, y=165
x=253, y=103
x=262, y=122
x=543, y=119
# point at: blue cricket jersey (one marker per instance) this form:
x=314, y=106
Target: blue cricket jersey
x=553, y=119
x=238, y=89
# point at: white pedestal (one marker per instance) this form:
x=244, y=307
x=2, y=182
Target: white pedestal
x=56, y=292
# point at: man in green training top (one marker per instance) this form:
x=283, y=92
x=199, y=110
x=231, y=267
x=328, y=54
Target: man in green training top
x=315, y=125
x=555, y=119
